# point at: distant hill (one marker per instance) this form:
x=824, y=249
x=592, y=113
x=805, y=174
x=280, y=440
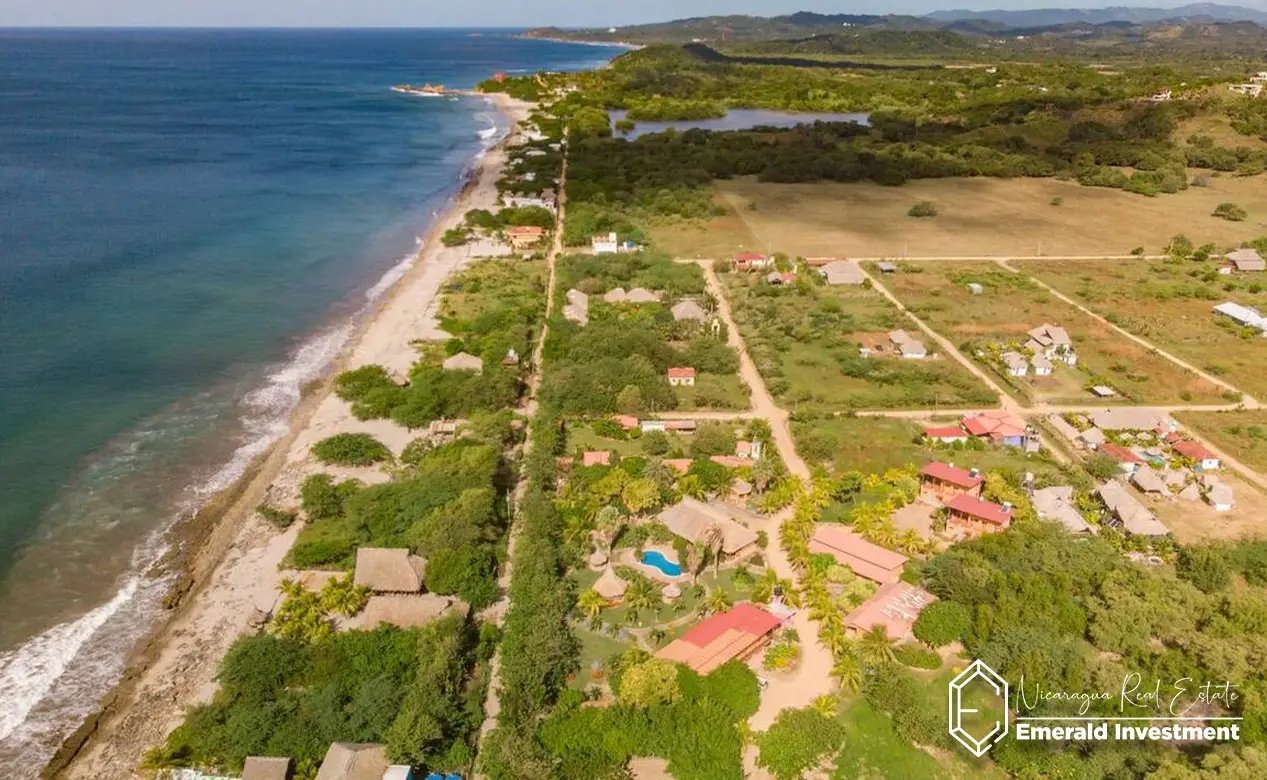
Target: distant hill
x=1047, y=17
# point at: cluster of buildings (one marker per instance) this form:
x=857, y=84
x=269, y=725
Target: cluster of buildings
x=610, y=244
x=1048, y=344
x=996, y=427
x=343, y=761
x=900, y=344
x=1252, y=88
x=958, y=491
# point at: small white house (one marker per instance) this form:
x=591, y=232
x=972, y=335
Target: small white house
x=1041, y=365
x=681, y=376
x=1220, y=498
x=605, y=245
x=1015, y=364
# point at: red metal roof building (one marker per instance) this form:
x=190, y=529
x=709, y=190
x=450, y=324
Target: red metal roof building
x=894, y=606
x=1194, y=451
x=940, y=482
x=867, y=560
x=727, y=636
x=945, y=433
x=971, y=516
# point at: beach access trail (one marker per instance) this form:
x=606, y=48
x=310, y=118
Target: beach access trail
x=234, y=577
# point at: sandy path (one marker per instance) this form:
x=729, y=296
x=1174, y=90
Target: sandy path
x=237, y=572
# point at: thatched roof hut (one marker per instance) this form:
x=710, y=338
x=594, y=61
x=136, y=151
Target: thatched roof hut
x=353, y=761
x=267, y=768
x=389, y=570
x=610, y=585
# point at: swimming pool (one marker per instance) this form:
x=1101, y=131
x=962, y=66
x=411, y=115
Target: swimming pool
x=657, y=560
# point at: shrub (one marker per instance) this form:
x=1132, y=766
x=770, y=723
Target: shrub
x=322, y=499
x=797, y=742
x=351, y=449
x=941, y=623
x=650, y=683
x=278, y=518
x=922, y=209
x=917, y=657
x=1205, y=567
x=1231, y=212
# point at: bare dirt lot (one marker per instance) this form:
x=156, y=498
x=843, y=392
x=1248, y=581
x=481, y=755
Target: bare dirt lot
x=981, y=217
x=1196, y=521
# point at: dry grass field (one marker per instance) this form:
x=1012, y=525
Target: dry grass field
x=1011, y=305
x=977, y=218
x=1241, y=434
x=804, y=339
x=1196, y=521
x=1170, y=305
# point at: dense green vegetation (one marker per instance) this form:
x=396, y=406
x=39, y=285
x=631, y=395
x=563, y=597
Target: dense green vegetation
x=446, y=506
x=351, y=449
x=1077, y=616
x=412, y=690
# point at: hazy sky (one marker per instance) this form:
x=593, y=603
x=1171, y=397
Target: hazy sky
x=482, y=13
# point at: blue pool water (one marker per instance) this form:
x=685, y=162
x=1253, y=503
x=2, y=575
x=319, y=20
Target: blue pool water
x=657, y=560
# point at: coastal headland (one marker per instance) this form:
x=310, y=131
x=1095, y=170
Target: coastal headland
x=229, y=556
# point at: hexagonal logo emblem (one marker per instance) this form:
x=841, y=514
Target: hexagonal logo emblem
x=978, y=708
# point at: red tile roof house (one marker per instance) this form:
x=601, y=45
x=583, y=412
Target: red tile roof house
x=734, y=635
x=999, y=427
x=894, y=606
x=948, y=434
x=596, y=458
x=522, y=236
x=748, y=261
x=681, y=376
x=680, y=465
x=627, y=421
x=849, y=549
x=1127, y=460
x=940, y=482
x=1194, y=451
x=730, y=461
x=969, y=516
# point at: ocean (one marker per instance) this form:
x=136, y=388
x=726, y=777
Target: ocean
x=190, y=221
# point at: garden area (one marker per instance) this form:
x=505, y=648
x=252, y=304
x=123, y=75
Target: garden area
x=618, y=360
x=1009, y=306
x=805, y=337
x=1170, y=304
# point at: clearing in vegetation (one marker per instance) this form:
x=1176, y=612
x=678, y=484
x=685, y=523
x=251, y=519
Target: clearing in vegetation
x=1170, y=303
x=805, y=338
x=984, y=217
x=1011, y=305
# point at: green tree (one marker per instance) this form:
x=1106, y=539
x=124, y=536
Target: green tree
x=651, y=683
x=941, y=623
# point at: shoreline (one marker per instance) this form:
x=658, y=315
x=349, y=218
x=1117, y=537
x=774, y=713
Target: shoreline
x=227, y=557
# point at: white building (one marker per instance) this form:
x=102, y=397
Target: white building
x=1242, y=315
x=605, y=245
x=1015, y=364
x=907, y=345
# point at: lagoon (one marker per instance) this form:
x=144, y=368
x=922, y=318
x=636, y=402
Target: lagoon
x=737, y=119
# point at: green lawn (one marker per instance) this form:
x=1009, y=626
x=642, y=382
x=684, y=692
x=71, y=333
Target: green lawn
x=595, y=648
x=714, y=391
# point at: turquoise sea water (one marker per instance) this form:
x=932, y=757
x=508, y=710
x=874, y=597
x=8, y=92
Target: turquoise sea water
x=188, y=222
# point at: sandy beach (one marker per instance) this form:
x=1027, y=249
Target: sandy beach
x=232, y=579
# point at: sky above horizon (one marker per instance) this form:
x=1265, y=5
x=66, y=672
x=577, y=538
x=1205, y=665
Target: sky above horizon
x=486, y=13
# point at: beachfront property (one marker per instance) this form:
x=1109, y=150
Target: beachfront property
x=894, y=607
x=267, y=768
x=842, y=272
x=389, y=570
x=734, y=635
x=525, y=236
x=521, y=200
x=968, y=516
x=942, y=482
x=1245, y=316
x=695, y=521
x=907, y=345
x=360, y=761
x=463, y=361
x=867, y=560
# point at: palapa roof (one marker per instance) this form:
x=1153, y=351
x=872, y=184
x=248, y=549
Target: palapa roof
x=615, y=296
x=406, y=610
x=691, y=519
x=353, y=761
x=598, y=558
x=610, y=585
x=389, y=570
x=1220, y=495
x=1056, y=504
x=267, y=768
x=1135, y=516
x=1051, y=335
x=1247, y=259
x=1132, y=418
x=688, y=309
x=1149, y=481
x=463, y=361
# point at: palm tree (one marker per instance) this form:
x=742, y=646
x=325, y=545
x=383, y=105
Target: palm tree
x=833, y=636
x=910, y=542
x=642, y=594
x=657, y=635
x=713, y=540
x=591, y=604
x=885, y=534
x=876, y=647
x=763, y=589
x=825, y=705
x=691, y=485
x=848, y=673
x=610, y=522
x=717, y=601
